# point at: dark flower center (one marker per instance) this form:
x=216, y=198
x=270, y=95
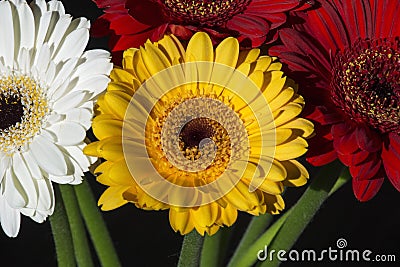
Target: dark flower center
x=204, y=13
x=195, y=131
x=11, y=111
x=366, y=83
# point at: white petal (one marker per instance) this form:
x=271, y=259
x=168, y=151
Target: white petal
x=4, y=165
x=60, y=30
x=65, y=179
x=96, y=84
x=39, y=216
x=73, y=45
x=24, y=60
x=43, y=27
x=27, y=25
x=48, y=156
x=25, y=180
x=54, y=5
x=39, y=7
x=94, y=66
x=62, y=78
x=30, y=162
x=10, y=218
x=76, y=153
x=46, y=199
x=82, y=116
x=70, y=101
x=68, y=133
x=7, y=33
x=42, y=60
x=12, y=189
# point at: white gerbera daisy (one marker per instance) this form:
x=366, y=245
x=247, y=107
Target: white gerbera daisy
x=47, y=88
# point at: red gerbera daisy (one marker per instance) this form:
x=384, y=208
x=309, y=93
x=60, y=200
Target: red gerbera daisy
x=346, y=58
x=129, y=23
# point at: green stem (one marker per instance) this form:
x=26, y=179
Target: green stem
x=285, y=231
x=214, y=247
x=249, y=256
x=61, y=233
x=79, y=237
x=306, y=208
x=191, y=249
x=95, y=224
x=255, y=228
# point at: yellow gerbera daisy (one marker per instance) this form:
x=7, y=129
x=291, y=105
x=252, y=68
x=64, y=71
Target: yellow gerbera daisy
x=201, y=132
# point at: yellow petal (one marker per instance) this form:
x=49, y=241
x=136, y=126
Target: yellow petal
x=248, y=56
x=200, y=48
x=284, y=97
x=263, y=63
x=123, y=87
x=91, y=149
x=274, y=83
x=110, y=149
x=112, y=198
x=154, y=60
x=118, y=102
x=291, y=150
x=275, y=203
x=180, y=220
x=127, y=61
x=140, y=69
x=172, y=48
x=228, y=215
x=106, y=128
x=271, y=187
x=287, y=113
x=305, y=126
x=119, y=173
x=121, y=75
x=227, y=52
x=205, y=215
x=275, y=66
x=297, y=174
x=103, y=167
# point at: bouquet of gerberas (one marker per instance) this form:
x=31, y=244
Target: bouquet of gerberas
x=203, y=114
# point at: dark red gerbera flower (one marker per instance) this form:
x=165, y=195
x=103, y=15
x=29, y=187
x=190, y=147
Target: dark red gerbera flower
x=129, y=23
x=346, y=59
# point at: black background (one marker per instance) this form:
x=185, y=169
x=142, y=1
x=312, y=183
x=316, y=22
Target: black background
x=144, y=238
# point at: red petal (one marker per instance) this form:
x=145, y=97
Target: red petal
x=391, y=159
x=147, y=12
x=273, y=6
x=367, y=169
x=324, y=117
x=365, y=190
x=358, y=18
x=326, y=24
x=341, y=129
x=368, y=139
x=353, y=159
x=346, y=144
x=251, y=27
x=320, y=151
x=385, y=18
x=134, y=40
x=180, y=31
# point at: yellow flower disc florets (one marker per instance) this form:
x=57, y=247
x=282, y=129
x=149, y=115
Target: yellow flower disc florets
x=23, y=106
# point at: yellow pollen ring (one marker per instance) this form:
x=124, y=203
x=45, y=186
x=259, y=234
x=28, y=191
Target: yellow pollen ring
x=35, y=108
